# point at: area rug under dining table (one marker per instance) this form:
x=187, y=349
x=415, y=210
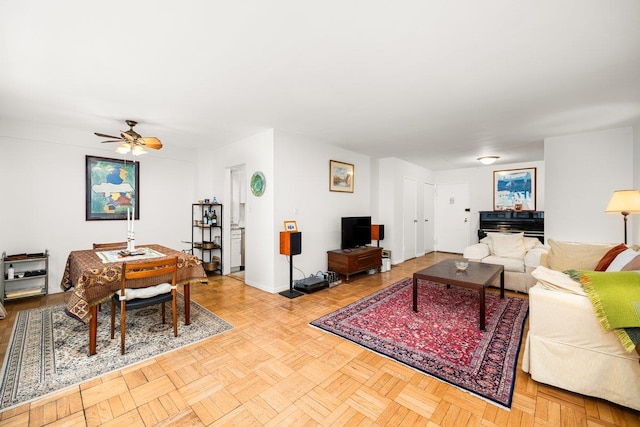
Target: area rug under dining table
x=442, y=339
x=48, y=350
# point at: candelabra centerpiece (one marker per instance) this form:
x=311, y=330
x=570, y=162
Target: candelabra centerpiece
x=131, y=235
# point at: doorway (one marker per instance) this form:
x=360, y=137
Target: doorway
x=237, y=222
x=452, y=217
x=409, y=219
x=428, y=218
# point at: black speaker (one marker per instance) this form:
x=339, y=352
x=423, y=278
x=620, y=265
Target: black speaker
x=290, y=242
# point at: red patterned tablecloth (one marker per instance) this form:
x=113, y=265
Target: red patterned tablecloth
x=93, y=281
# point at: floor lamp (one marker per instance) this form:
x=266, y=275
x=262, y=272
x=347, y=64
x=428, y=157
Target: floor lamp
x=625, y=202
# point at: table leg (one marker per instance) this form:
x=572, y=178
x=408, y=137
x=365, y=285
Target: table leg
x=502, y=284
x=415, y=293
x=187, y=303
x=482, y=309
x=93, y=329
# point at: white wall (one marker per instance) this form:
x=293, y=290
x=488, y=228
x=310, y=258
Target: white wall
x=43, y=197
x=390, y=182
x=480, y=181
x=582, y=171
x=302, y=194
x=297, y=176
x=256, y=153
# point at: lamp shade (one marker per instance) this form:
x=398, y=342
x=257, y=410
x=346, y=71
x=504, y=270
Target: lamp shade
x=624, y=201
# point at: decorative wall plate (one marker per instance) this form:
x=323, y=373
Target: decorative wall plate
x=258, y=184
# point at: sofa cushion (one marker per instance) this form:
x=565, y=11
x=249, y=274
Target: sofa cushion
x=534, y=256
x=556, y=280
x=487, y=241
x=148, y=292
x=508, y=245
x=610, y=256
x=476, y=252
x=633, y=265
x=622, y=259
x=575, y=255
x=510, y=264
x=531, y=243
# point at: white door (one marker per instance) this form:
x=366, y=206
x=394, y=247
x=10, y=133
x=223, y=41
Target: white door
x=409, y=219
x=428, y=218
x=452, y=217
x=236, y=249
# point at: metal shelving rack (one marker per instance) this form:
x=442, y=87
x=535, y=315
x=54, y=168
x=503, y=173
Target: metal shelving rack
x=31, y=275
x=206, y=239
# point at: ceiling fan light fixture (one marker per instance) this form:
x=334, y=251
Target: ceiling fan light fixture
x=123, y=149
x=138, y=150
x=488, y=160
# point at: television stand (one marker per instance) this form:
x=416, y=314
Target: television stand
x=351, y=261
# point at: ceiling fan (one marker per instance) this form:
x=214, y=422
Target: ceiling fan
x=132, y=141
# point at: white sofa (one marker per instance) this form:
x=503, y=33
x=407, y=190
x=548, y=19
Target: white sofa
x=566, y=347
x=518, y=254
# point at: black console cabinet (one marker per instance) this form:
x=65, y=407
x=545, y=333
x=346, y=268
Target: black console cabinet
x=531, y=223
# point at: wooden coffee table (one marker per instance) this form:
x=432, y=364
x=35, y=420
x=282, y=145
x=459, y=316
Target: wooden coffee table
x=477, y=276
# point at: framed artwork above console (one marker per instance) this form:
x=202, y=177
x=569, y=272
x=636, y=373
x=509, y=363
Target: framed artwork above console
x=341, y=176
x=514, y=189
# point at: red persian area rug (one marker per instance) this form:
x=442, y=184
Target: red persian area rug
x=442, y=339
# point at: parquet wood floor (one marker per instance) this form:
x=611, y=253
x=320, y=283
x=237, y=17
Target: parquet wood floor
x=275, y=370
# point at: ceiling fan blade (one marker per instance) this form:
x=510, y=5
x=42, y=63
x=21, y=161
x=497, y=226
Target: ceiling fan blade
x=117, y=140
x=104, y=135
x=127, y=136
x=152, y=142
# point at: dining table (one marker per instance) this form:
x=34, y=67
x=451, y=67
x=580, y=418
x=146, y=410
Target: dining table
x=94, y=275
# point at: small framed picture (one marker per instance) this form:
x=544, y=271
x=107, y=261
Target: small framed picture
x=290, y=226
x=341, y=176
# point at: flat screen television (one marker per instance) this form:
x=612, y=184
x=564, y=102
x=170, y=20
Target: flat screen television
x=356, y=231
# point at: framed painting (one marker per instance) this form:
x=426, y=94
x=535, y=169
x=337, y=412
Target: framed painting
x=341, y=176
x=112, y=188
x=514, y=189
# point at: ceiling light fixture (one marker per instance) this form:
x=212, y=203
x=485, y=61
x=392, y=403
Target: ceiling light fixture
x=136, y=150
x=488, y=160
x=123, y=149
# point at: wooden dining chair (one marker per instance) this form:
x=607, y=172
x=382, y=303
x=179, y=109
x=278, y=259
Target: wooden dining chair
x=109, y=245
x=134, y=298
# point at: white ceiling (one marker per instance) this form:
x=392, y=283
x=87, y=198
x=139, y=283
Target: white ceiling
x=437, y=83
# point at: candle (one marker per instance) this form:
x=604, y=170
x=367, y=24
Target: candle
x=133, y=222
x=128, y=224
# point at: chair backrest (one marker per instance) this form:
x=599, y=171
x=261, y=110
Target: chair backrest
x=146, y=269
x=109, y=245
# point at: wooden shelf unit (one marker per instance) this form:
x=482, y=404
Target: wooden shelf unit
x=351, y=261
